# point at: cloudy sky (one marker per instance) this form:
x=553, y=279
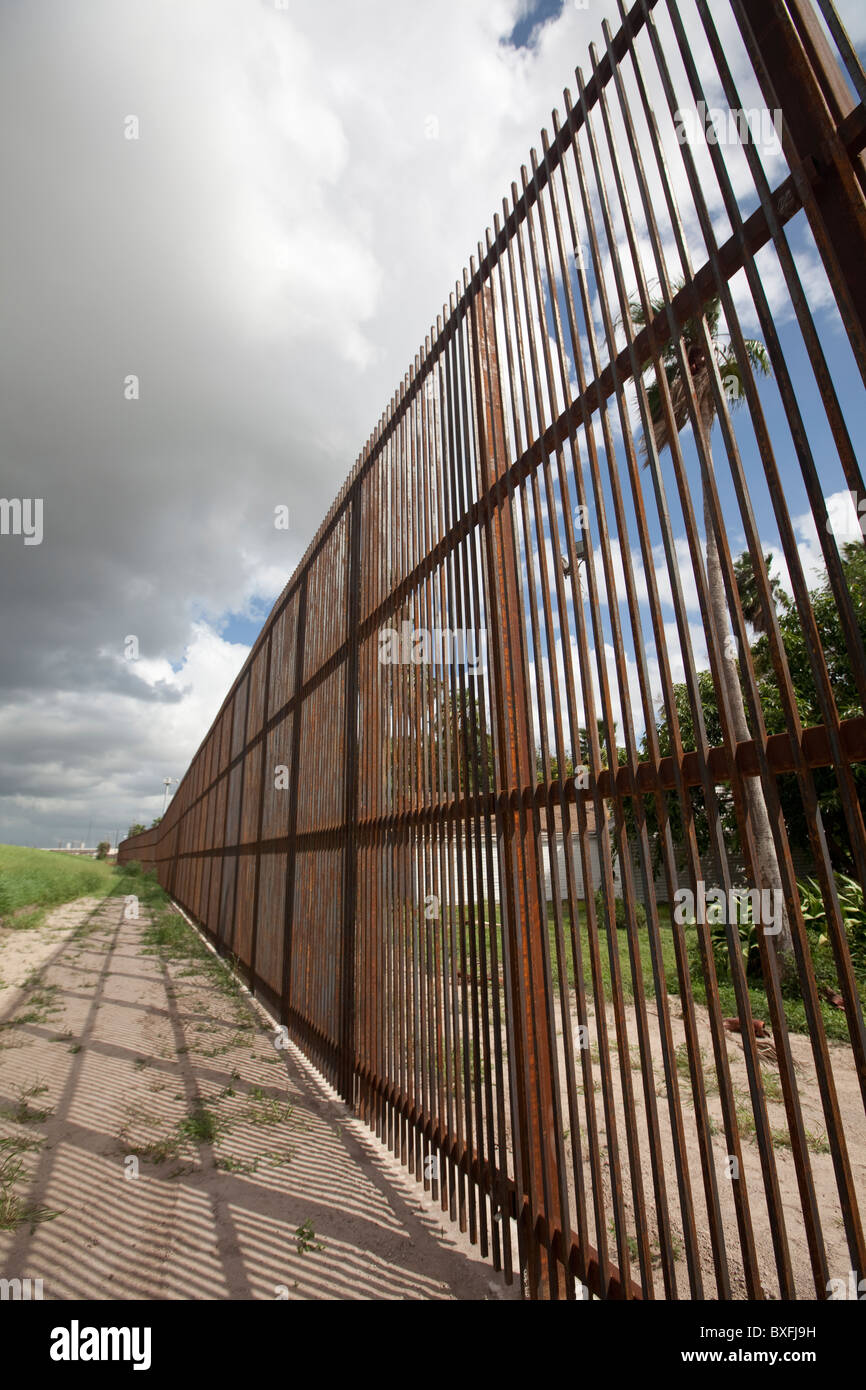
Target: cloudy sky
x=263, y=257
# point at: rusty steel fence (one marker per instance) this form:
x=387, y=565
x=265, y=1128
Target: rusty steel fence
x=536, y=810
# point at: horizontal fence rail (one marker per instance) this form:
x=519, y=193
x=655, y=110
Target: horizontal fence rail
x=536, y=811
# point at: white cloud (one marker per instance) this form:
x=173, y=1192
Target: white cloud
x=307, y=187
x=123, y=748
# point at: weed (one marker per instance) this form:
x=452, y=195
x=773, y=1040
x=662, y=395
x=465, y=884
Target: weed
x=817, y=1141
x=305, y=1238
x=19, y=1144
x=15, y=1212
x=266, y=1110
x=630, y=1241
x=745, y=1119
x=238, y=1165
x=201, y=1126
x=23, y=1113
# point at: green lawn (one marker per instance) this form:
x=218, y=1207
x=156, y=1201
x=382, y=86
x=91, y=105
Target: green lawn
x=834, y=1020
x=37, y=879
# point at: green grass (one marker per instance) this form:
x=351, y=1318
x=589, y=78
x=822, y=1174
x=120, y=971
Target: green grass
x=39, y=1005
x=14, y=1211
x=835, y=1023
x=238, y=1165
x=36, y=879
x=168, y=935
x=201, y=1126
x=23, y=1113
x=266, y=1110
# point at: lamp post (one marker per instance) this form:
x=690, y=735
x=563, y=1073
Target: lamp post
x=166, y=782
x=579, y=555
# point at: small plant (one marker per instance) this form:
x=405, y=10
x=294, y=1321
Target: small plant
x=14, y=1212
x=266, y=1110
x=630, y=1241
x=24, y=1113
x=305, y=1238
x=745, y=1120
x=748, y=934
x=238, y=1165
x=711, y=1080
x=202, y=1126
x=159, y=1150
x=817, y=1141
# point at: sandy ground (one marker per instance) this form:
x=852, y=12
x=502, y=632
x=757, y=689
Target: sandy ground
x=827, y=1200
x=637, y=1181
x=291, y=1198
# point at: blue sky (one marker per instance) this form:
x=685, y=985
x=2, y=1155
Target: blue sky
x=525, y=31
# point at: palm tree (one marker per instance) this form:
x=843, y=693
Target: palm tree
x=747, y=588
x=731, y=374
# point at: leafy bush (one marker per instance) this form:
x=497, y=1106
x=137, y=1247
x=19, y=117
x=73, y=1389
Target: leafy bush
x=853, y=909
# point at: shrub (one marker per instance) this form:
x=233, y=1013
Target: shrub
x=853, y=909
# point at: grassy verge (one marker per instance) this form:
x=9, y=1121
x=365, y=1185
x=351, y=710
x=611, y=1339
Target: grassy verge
x=32, y=880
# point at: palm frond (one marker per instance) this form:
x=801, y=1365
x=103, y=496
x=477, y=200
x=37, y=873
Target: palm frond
x=691, y=335
x=758, y=356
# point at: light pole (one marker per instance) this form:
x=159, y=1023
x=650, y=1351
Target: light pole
x=166, y=782
x=579, y=555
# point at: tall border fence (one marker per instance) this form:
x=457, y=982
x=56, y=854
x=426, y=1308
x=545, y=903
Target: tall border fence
x=576, y=640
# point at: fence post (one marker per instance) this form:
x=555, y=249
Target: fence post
x=523, y=907
x=350, y=805
x=292, y=827
x=800, y=76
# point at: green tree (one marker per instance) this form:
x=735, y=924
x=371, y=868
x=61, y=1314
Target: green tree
x=135, y=829
x=747, y=588
x=694, y=348
x=845, y=692
x=102, y=849
x=847, y=699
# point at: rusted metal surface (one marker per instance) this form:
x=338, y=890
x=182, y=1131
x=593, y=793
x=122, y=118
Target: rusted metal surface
x=418, y=862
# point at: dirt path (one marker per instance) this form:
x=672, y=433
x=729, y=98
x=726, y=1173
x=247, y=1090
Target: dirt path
x=187, y=1156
